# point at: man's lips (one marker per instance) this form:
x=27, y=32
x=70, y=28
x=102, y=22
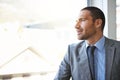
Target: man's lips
x=79, y=32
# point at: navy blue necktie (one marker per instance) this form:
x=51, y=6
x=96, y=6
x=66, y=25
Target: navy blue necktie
x=91, y=60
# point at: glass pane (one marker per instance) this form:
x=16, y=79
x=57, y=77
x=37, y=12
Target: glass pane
x=118, y=18
x=34, y=36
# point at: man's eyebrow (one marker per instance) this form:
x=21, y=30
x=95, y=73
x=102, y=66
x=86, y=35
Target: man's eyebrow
x=81, y=18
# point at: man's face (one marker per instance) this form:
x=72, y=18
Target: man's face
x=85, y=26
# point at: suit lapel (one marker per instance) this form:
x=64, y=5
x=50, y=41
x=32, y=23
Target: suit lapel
x=84, y=65
x=109, y=48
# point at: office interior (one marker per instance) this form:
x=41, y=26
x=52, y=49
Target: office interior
x=35, y=34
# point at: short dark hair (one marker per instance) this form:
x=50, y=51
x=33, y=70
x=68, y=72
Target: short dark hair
x=96, y=13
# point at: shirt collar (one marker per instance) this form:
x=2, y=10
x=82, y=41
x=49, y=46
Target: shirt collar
x=99, y=44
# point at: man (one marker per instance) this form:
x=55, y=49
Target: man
x=77, y=61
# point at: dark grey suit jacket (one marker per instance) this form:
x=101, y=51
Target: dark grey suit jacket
x=75, y=63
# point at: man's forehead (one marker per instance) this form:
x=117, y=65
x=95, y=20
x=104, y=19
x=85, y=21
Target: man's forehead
x=84, y=13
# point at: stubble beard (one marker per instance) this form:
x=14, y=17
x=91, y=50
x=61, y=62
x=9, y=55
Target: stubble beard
x=85, y=36
x=81, y=37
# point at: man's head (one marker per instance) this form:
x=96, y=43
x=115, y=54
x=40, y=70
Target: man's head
x=96, y=13
x=90, y=24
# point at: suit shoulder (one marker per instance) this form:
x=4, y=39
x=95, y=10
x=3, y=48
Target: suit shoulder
x=113, y=42
x=117, y=43
x=77, y=44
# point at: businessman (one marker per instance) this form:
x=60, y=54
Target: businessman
x=83, y=63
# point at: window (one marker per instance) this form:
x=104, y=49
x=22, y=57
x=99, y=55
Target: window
x=35, y=35
x=118, y=18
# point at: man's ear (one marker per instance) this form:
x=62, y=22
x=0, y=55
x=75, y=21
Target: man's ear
x=98, y=23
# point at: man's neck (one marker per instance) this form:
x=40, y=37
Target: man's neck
x=92, y=41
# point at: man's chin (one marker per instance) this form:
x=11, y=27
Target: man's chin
x=80, y=38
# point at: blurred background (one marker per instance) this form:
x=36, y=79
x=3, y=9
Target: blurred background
x=34, y=35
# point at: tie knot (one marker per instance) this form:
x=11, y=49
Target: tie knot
x=92, y=48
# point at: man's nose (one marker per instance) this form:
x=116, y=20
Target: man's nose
x=77, y=24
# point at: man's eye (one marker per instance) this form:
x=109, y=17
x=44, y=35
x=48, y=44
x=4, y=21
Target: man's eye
x=82, y=19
